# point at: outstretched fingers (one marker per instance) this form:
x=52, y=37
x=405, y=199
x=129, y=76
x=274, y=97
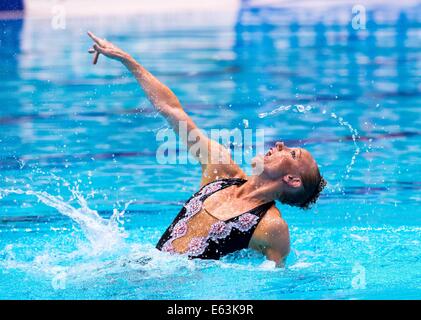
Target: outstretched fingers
x=97, y=40
x=102, y=46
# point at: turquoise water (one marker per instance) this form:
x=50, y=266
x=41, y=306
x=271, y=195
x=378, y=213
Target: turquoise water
x=77, y=147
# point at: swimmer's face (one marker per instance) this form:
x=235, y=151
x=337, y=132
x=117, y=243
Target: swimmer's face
x=293, y=172
x=282, y=162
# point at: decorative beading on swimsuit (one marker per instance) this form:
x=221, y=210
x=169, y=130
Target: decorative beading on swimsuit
x=219, y=231
x=246, y=221
x=167, y=247
x=211, y=188
x=197, y=246
x=193, y=207
x=180, y=229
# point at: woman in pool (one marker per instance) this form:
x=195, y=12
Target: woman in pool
x=231, y=211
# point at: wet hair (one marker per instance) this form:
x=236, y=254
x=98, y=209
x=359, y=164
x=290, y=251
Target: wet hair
x=313, y=184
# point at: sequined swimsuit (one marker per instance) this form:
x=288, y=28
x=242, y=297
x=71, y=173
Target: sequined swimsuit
x=224, y=237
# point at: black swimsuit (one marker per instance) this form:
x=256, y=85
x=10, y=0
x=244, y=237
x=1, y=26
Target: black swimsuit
x=224, y=236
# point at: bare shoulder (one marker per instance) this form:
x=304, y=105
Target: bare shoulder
x=272, y=234
x=272, y=222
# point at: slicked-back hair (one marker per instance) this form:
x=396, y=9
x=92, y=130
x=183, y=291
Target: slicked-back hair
x=313, y=184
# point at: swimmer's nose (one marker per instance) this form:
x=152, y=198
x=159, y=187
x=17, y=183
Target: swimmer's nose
x=279, y=145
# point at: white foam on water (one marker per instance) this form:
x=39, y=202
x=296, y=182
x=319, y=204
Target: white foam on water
x=301, y=265
x=102, y=234
x=107, y=251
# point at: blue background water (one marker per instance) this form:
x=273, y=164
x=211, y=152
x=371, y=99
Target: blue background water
x=63, y=119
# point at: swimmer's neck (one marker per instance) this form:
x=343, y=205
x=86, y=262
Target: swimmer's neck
x=257, y=190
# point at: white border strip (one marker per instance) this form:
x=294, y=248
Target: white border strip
x=44, y=8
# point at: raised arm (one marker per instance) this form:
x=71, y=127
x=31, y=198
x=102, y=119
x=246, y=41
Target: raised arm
x=216, y=160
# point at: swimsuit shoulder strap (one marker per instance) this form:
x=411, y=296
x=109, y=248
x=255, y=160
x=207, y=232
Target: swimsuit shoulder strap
x=258, y=211
x=261, y=210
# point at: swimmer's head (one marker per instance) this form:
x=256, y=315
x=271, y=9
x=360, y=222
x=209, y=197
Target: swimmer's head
x=293, y=172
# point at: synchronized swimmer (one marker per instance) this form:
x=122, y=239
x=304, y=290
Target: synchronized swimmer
x=231, y=211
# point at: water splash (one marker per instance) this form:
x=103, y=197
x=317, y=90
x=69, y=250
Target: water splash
x=296, y=108
x=355, y=136
x=107, y=254
x=102, y=234
x=304, y=109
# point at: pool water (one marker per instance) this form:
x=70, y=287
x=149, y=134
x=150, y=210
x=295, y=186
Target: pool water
x=83, y=200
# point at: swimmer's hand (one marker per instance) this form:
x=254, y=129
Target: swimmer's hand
x=102, y=46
